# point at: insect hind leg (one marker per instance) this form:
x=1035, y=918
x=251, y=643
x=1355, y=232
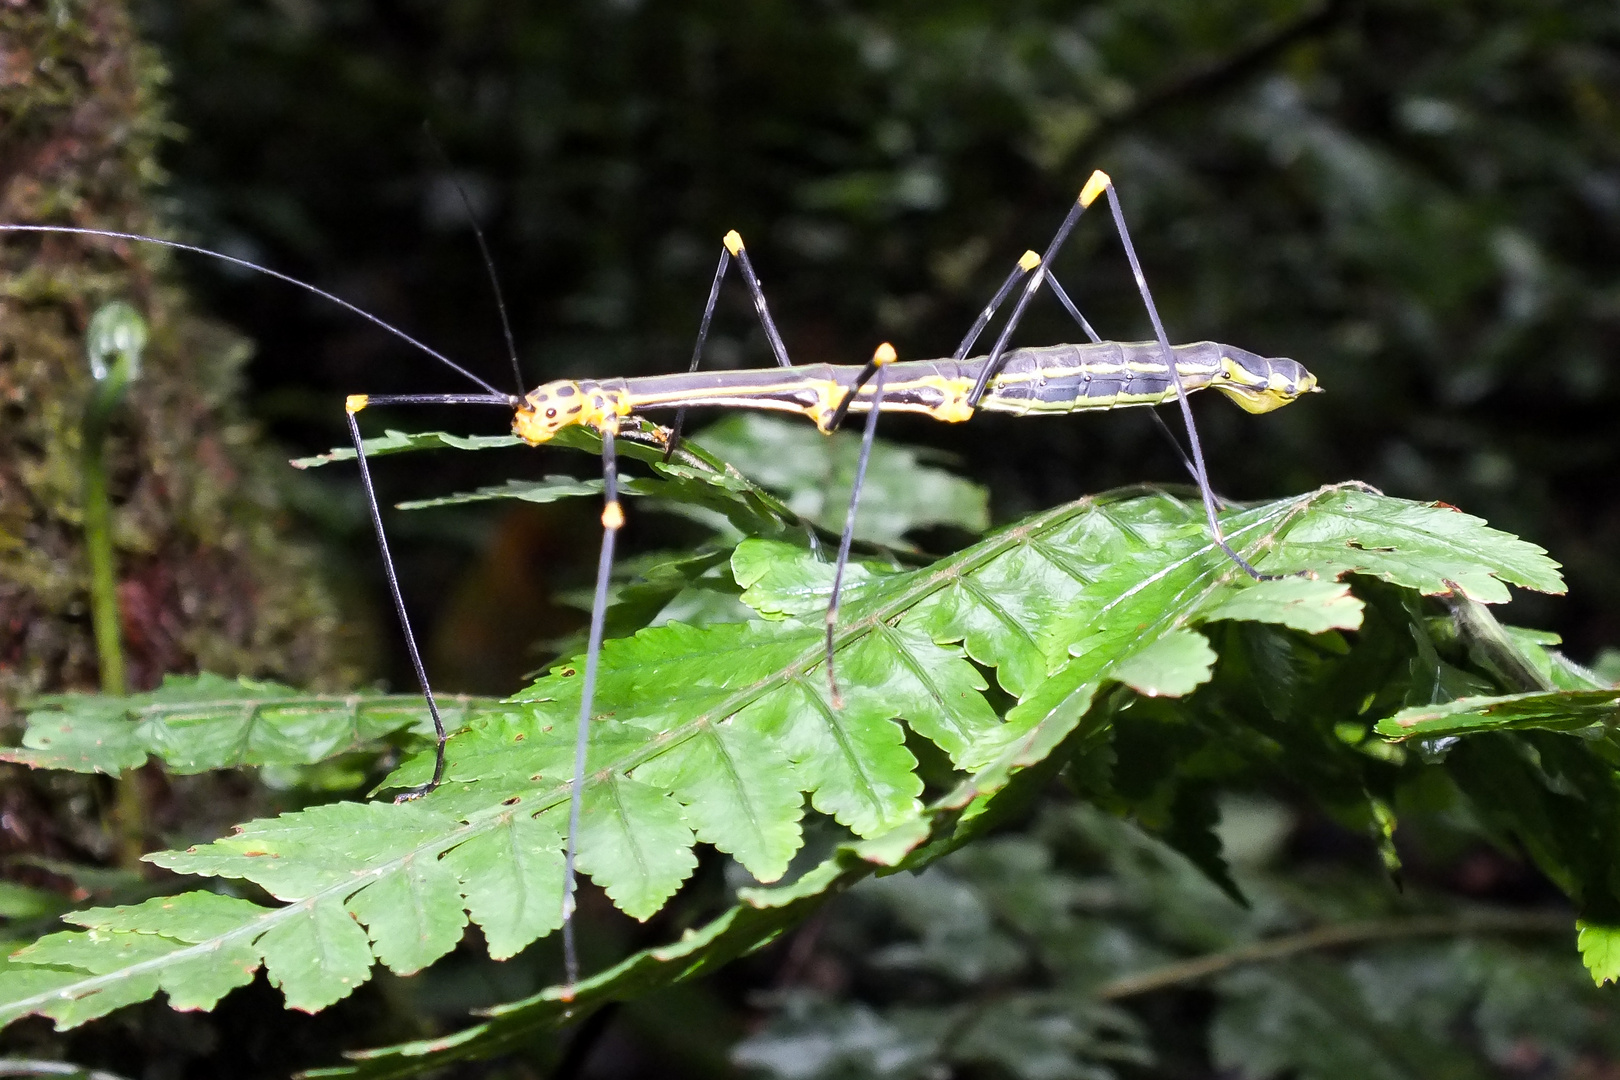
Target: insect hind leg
x=1101, y=184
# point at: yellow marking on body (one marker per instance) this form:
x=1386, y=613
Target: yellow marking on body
x=613, y=515
x=954, y=408
x=1098, y=184
x=614, y=404
x=355, y=402
x=527, y=425
x=1029, y=261
x=548, y=409
x=733, y=242
x=1256, y=401
x=828, y=396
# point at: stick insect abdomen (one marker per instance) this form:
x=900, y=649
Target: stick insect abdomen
x=1105, y=375
x=1121, y=374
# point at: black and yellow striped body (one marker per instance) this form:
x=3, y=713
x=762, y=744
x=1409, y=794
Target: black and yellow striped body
x=1051, y=379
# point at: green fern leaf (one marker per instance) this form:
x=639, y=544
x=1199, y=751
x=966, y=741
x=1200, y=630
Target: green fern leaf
x=191, y=946
x=814, y=474
x=717, y=733
x=194, y=724
x=1600, y=950
x=1557, y=710
x=399, y=442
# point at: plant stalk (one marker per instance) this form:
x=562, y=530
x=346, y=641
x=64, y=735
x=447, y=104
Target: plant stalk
x=116, y=333
x=103, y=581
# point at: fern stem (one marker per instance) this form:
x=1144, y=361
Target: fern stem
x=1335, y=936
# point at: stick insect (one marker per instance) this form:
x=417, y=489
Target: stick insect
x=1026, y=381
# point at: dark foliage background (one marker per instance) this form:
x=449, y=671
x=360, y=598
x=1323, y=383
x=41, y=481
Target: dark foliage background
x=1419, y=200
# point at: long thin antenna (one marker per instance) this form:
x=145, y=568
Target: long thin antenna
x=483, y=249
x=255, y=267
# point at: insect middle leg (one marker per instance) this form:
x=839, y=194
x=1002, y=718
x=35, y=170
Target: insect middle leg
x=731, y=248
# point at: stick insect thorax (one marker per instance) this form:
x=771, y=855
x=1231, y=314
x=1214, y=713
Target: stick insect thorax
x=1054, y=379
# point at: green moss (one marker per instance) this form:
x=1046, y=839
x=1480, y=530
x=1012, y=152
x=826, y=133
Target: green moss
x=208, y=578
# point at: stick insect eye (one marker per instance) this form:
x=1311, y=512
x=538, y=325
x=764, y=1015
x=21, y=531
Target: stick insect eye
x=551, y=414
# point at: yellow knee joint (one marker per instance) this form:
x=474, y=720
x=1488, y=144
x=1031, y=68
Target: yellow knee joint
x=1098, y=184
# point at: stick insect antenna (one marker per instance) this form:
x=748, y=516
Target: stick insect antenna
x=483, y=250
x=494, y=284
x=279, y=276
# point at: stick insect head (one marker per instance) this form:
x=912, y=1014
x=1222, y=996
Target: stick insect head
x=549, y=408
x=1260, y=384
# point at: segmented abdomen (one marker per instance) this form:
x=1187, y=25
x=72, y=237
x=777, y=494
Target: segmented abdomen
x=1106, y=375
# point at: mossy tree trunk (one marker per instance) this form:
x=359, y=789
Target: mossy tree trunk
x=207, y=577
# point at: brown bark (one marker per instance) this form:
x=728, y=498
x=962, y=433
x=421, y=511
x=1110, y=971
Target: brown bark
x=208, y=578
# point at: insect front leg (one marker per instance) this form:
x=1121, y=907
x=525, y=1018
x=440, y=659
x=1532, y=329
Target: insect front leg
x=352, y=408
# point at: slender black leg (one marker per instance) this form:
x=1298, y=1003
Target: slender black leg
x=352, y=406
x=1068, y=305
x=1200, y=472
x=732, y=249
x=880, y=360
x=1091, y=335
x=998, y=354
x=697, y=350
x=355, y=404
x=1025, y=264
x=734, y=244
x=873, y=366
x=1029, y=262
x=612, y=522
